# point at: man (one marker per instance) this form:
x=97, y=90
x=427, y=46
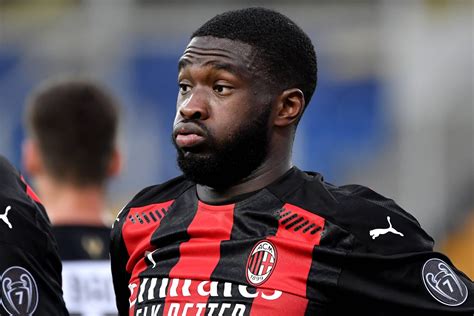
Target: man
x=30, y=268
x=243, y=231
x=71, y=152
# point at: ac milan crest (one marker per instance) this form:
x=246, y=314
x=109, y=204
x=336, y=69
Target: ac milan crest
x=261, y=262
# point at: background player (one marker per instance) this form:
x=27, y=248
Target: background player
x=244, y=232
x=71, y=152
x=30, y=268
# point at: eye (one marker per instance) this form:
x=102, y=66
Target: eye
x=222, y=89
x=183, y=88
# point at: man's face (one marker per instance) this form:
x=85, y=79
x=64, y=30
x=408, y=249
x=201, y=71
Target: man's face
x=222, y=123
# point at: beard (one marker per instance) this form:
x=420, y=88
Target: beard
x=226, y=163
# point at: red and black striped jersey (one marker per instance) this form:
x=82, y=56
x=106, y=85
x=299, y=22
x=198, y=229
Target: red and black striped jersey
x=30, y=268
x=299, y=246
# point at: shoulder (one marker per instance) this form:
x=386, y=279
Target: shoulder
x=13, y=187
x=20, y=216
x=5, y=165
x=18, y=211
x=161, y=192
x=157, y=194
x=377, y=223
x=21, y=213
x=9, y=177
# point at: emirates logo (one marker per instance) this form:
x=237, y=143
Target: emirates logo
x=261, y=262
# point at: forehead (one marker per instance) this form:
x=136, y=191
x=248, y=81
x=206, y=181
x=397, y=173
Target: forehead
x=213, y=50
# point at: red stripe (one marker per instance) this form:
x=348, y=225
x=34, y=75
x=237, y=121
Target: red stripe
x=291, y=269
x=259, y=265
x=200, y=255
x=137, y=241
x=257, y=262
x=252, y=261
x=30, y=192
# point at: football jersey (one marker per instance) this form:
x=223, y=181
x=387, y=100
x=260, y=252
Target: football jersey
x=30, y=268
x=299, y=246
x=87, y=279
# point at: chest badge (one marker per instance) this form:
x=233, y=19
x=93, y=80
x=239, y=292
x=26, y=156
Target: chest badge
x=261, y=262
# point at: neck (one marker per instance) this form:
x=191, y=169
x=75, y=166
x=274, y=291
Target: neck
x=67, y=204
x=278, y=163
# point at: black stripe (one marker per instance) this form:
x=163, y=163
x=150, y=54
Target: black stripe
x=315, y=230
x=152, y=216
x=171, y=233
x=324, y=274
x=258, y=263
x=146, y=217
x=254, y=218
x=285, y=214
x=288, y=219
x=301, y=226
x=309, y=227
x=294, y=223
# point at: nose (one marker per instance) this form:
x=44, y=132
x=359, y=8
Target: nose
x=195, y=107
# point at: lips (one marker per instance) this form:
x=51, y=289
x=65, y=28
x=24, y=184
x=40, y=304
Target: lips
x=188, y=135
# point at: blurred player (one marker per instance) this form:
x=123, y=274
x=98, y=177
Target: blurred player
x=243, y=231
x=71, y=152
x=30, y=268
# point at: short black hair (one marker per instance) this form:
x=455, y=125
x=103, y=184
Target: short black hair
x=74, y=122
x=284, y=50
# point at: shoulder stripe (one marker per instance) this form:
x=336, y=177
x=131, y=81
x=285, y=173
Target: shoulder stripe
x=137, y=238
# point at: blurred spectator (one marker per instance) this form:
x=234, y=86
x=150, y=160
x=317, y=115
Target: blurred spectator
x=71, y=152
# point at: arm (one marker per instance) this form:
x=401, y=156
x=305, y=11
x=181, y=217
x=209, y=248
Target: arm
x=30, y=268
x=425, y=283
x=391, y=267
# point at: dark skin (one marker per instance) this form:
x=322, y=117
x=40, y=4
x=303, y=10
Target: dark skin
x=221, y=88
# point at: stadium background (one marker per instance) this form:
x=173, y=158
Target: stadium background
x=393, y=109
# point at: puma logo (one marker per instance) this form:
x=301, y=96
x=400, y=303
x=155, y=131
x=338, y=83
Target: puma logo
x=149, y=255
x=382, y=231
x=4, y=217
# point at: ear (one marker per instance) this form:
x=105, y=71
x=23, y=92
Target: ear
x=290, y=107
x=115, y=165
x=31, y=157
